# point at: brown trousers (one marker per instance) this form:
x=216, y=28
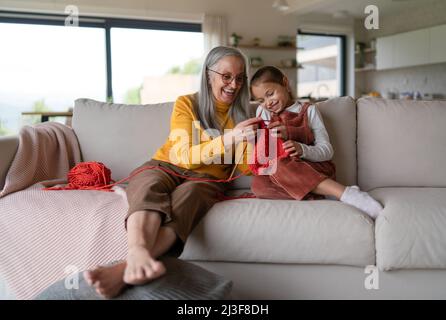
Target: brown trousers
x=181, y=202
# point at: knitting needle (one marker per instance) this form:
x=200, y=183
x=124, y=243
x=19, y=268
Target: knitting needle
x=238, y=161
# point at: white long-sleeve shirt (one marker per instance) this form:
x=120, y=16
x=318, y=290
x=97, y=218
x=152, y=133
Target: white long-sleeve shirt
x=322, y=149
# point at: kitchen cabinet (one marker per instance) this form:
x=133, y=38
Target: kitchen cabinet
x=438, y=44
x=411, y=49
x=384, y=52
x=419, y=47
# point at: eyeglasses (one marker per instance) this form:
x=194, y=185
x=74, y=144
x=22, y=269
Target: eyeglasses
x=227, y=78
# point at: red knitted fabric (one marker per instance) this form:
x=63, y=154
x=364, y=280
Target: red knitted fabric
x=261, y=155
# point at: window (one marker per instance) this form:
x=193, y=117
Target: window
x=152, y=66
x=45, y=66
x=322, y=58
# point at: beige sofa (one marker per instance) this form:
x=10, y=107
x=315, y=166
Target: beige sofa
x=285, y=249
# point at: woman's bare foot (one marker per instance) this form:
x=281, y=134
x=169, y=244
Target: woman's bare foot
x=108, y=281
x=141, y=267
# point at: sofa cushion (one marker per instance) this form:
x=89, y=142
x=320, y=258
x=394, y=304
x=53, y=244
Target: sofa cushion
x=401, y=143
x=339, y=116
x=410, y=232
x=283, y=231
x=121, y=136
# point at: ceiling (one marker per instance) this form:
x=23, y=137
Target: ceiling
x=354, y=8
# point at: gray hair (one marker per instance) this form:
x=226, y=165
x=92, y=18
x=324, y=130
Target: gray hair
x=204, y=105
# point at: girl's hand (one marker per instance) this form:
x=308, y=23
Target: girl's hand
x=293, y=148
x=278, y=130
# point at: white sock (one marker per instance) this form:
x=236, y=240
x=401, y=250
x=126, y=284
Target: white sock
x=361, y=200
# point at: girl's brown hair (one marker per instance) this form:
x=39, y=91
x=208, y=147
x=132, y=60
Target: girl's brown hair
x=269, y=74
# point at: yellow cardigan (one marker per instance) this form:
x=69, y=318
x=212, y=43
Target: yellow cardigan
x=190, y=147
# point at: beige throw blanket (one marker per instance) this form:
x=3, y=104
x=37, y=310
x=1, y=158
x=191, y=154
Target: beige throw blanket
x=48, y=235
x=46, y=151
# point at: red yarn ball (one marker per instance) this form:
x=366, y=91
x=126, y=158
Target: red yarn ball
x=89, y=175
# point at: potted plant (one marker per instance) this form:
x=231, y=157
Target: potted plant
x=286, y=41
x=256, y=61
x=234, y=39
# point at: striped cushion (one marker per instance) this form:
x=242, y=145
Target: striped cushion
x=183, y=281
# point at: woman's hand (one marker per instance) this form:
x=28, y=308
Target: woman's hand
x=251, y=123
x=245, y=130
x=293, y=148
x=278, y=130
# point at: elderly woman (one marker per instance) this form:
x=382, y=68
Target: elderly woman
x=163, y=207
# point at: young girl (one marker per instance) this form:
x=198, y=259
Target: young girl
x=304, y=169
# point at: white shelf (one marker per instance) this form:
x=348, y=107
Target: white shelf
x=366, y=50
x=365, y=69
x=242, y=46
x=278, y=66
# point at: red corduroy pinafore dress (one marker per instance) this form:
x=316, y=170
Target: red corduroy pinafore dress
x=294, y=177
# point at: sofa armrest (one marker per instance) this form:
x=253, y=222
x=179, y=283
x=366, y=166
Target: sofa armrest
x=8, y=149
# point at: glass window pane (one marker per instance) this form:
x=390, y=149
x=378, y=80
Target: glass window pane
x=45, y=68
x=152, y=66
x=320, y=76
